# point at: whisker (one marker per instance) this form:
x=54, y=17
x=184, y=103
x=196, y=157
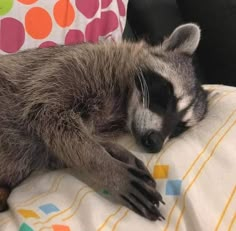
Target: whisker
x=147, y=93
x=142, y=89
x=145, y=90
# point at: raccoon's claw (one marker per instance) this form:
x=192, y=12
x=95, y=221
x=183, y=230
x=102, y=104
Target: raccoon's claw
x=143, y=197
x=148, y=210
x=145, y=176
x=163, y=202
x=161, y=217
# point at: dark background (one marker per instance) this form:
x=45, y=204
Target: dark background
x=215, y=59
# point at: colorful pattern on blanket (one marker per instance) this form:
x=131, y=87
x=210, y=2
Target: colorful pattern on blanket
x=40, y=23
x=160, y=172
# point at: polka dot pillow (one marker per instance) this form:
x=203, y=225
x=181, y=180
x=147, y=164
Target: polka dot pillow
x=42, y=23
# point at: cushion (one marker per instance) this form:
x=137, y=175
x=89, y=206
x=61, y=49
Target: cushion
x=38, y=23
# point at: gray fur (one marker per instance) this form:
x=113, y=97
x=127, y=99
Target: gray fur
x=59, y=107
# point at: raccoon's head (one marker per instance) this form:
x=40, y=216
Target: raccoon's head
x=168, y=97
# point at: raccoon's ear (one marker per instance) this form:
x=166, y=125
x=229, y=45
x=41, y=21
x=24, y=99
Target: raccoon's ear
x=184, y=39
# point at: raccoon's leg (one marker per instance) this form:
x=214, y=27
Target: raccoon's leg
x=19, y=156
x=112, y=168
x=12, y=172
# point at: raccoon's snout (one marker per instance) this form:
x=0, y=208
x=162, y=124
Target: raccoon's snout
x=152, y=141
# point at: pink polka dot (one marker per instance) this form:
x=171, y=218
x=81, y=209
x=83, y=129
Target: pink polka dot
x=106, y=3
x=74, y=37
x=121, y=7
x=108, y=22
x=47, y=44
x=87, y=7
x=92, y=31
x=101, y=27
x=12, y=34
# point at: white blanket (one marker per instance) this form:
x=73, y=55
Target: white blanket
x=196, y=174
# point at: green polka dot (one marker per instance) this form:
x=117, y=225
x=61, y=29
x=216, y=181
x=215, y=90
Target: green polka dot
x=25, y=227
x=105, y=192
x=5, y=6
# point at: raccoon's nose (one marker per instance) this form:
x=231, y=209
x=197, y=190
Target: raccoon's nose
x=152, y=141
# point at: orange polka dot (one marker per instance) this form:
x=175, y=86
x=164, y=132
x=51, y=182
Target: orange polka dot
x=64, y=13
x=38, y=23
x=27, y=2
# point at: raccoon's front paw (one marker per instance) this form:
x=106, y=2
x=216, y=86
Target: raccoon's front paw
x=141, y=196
x=133, y=185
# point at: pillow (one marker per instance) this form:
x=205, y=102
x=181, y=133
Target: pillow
x=217, y=50
x=195, y=173
x=39, y=23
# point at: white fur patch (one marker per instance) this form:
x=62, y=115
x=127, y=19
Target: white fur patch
x=183, y=103
x=188, y=115
x=147, y=120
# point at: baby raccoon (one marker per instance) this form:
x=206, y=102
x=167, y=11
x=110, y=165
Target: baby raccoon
x=59, y=106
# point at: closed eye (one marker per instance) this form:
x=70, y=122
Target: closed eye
x=179, y=129
x=161, y=93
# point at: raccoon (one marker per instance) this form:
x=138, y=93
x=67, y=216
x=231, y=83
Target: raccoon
x=60, y=107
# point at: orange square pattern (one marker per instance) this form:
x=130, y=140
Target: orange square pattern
x=60, y=228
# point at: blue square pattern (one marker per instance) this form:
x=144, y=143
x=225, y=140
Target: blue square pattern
x=49, y=208
x=173, y=187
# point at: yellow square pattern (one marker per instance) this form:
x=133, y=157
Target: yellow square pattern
x=161, y=171
x=27, y=213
